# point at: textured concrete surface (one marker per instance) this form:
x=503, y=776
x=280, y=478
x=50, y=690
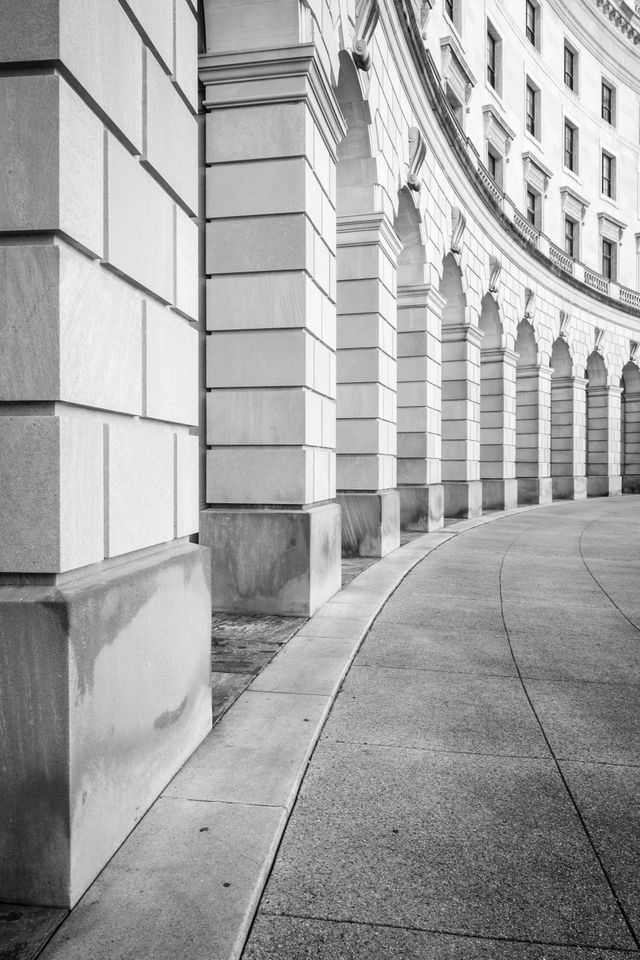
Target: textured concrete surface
x=474, y=791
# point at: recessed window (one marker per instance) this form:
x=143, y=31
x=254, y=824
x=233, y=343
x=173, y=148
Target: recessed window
x=570, y=68
x=533, y=208
x=532, y=110
x=453, y=10
x=495, y=166
x=571, y=238
x=608, y=103
x=608, y=186
x=532, y=23
x=494, y=59
x=449, y=9
x=608, y=259
x=570, y=146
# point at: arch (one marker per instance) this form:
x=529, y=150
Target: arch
x=452, y=289
x=630, y=379
x=490, y=323
x=526, y=344
x=561, y=363
x=412, y=260
x=630, y=428
x=596, y=371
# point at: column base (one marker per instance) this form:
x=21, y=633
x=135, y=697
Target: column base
x=499, y=494
x=463, y=499
x=283, y=562
x=569, y=488
x=422, y=508
x=534, y=490
x=104, y=694
x=370, y=523
x=609, y=486
x=631, y=483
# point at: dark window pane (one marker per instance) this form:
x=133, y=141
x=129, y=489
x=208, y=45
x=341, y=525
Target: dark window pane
x=492, y=166
x=607, y=175
x=449, y=8
x=531, y=23
x=491, y=60
x=532, y=207
x=607, y=259
x=569, y=61
x=607, y=103
x=531, y=110
x=569, y=146
x=569, y=237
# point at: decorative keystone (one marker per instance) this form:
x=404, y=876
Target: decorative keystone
x=529, y=304
x=565, y=323
x=458, y=223
x=634, y=351
x=495, y=267
x=367, y=16
x=599, y=343
x=417, y=153
x=425, y=9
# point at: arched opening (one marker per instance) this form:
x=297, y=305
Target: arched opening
x=497, y=412
x=460, y=398
x=533, y=424
x=419, y=318
x=598, y=439
x=568, y=426
x=367, y=249
x=630, y=383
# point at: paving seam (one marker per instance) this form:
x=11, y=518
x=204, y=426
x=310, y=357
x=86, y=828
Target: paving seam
x=552, y=754
x=597, y=582
x=448, y=933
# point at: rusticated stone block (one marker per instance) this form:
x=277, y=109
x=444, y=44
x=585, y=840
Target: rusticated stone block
x=104, y=693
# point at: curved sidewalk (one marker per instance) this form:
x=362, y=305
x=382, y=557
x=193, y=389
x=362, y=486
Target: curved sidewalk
x=474, y=793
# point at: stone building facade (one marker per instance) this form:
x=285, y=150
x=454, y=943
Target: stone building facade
x=377, y=266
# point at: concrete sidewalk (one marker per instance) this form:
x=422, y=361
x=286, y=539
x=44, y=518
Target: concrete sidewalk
x=472, y=795
x=475, y=791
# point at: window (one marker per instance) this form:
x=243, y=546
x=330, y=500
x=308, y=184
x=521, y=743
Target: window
x=570, y=146
x=494, y=59
x=531, y=109
x=493, y=163
x=494, y=166
x=608, y=187
x=570, y=59
x=449, y=9
x=608, y=103
x=570, y=238
x=532, y=207
x=608, y=259
x=532, y=23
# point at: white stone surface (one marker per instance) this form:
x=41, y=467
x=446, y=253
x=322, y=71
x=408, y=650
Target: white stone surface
x=187, y=484
x=171, y=366
x=171, y=135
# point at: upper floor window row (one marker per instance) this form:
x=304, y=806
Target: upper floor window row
x=532, y=23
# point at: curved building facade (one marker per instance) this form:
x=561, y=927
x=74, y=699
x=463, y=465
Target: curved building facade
x=281, y=277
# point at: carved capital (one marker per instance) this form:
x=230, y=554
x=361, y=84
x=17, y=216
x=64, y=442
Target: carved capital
x=495, y=266
x=417, y=153
x=367, y=16
x=458, y=223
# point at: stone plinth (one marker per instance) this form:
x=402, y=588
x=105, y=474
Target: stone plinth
x=104, y=693
x=422, y=508
x=569, y=488
x=284, y=562
x=370, y=523
x=463, y=499
x=499, y=494
x=610, y=486
x=534, y=490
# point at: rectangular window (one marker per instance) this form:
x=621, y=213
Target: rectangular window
x=448, y=6
x=570, y=237
x=570, y=146
x=491, y=60
x=608, y=175
x=608, y=259
x=569, y=68
x=492, y=165
x=532, y=110
x=531, y=24
x=607, y=103
x=532, y=208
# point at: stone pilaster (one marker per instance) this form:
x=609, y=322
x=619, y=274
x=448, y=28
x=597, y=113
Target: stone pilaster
x=461, y=420
x=419, y=407
x=533, y=433
x=631, y=443
x=568, y=438
x=603, y=441
x=498, y=428
x=367, y=253
x=272, y=130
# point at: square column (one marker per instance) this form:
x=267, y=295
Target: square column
x=105, y=622
x=419, y=408
x=603, y=441
x=272, y=125
x=367, y=253
x=631, y=446
x=533, y=433
x=461, y=420
x=498, y=429
x=568, y=438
